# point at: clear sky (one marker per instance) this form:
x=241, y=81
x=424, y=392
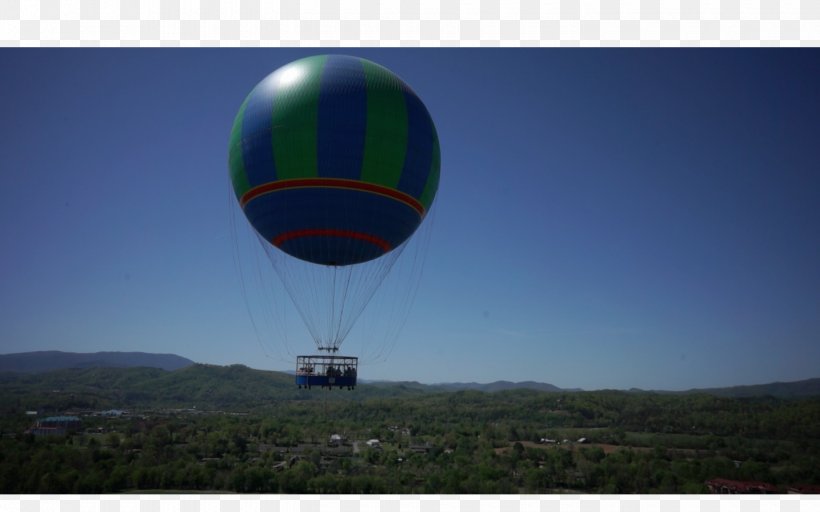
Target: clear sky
x=605, y=219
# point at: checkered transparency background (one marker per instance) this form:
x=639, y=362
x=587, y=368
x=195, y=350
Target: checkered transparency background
x=410, y=23
x=404, y=503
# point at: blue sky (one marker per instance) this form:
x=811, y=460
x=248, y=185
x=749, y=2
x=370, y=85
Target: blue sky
x=605, y=219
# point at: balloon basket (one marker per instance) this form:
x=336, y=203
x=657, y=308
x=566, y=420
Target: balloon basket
x=326, y=371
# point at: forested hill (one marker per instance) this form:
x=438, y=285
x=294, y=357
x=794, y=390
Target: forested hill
x=502, y=385
x=239, y=388
x=204, y=387
x=232, y=428
x=797, y=389
x=51, y=361
x=45, y=361
x=802, y=388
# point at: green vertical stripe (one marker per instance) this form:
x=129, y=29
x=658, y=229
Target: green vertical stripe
x=295, y=119
x=431, y=186
x=385, y=142
x=236, y=164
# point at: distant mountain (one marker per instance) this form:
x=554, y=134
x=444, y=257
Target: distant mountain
x=143, y=378
x=499, y=385
x=797, y=389
x=37, y=362
x=199, y=386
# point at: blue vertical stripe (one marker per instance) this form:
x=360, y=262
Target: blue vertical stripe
x=342, y=118
x=419, y=147
x=257, y=144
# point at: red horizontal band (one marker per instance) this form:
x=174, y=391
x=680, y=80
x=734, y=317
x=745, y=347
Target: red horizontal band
x=290, y=235
x=361, y=186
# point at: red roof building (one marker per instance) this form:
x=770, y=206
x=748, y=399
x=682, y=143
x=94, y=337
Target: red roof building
x=803, y=489
x=724, y=486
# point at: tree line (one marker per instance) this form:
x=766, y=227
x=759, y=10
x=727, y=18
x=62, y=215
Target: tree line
x=516, y=441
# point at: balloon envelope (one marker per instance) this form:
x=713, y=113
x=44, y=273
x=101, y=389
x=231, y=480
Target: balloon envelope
x=334, y=160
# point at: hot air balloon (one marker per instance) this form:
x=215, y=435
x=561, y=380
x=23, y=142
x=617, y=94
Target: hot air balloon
x=335, y=163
